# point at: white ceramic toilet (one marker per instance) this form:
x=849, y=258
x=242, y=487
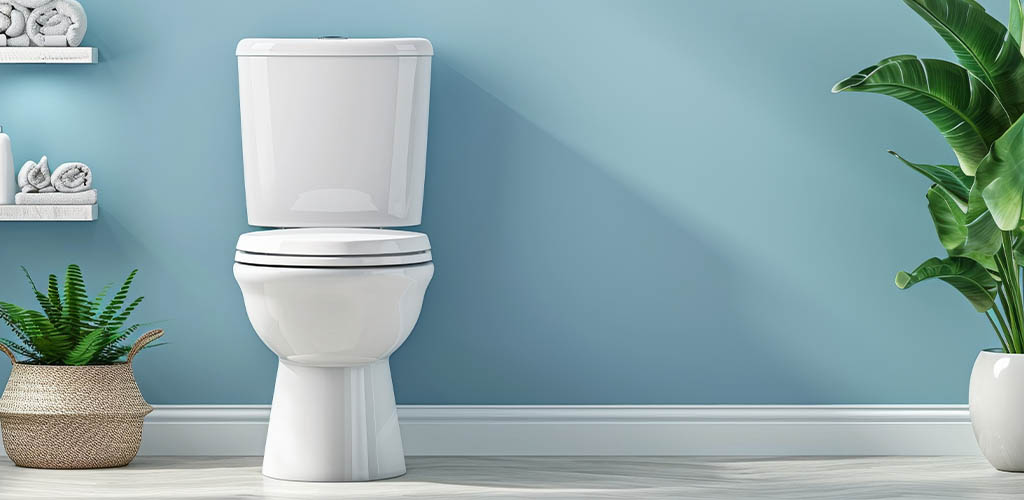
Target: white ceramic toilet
x=334, y=136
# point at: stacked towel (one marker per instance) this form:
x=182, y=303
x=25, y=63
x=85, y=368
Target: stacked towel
x=70, y=184
x=88, y=197
x=13, y=22
x=42, y=23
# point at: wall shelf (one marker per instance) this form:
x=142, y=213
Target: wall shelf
x=40, y=213
x=49, y=55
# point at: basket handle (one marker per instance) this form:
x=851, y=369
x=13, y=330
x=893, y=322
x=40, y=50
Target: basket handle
x=141, y=342
x=8, y=353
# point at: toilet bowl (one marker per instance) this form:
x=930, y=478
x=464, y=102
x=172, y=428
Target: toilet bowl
x=334, y=151
x=333, y=304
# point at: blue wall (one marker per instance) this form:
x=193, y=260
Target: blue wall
x=629, y=202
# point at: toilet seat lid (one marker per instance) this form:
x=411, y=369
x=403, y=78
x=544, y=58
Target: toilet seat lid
x=333, y=242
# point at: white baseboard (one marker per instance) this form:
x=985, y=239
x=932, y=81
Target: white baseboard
x=603, y=430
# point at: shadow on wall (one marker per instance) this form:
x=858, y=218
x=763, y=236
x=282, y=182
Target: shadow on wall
x=586, y=285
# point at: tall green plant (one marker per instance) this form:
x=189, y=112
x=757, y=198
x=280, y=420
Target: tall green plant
x=977, y=103
x=72, y=329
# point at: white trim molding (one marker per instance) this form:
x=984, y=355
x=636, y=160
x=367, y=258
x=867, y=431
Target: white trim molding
x=603, y=430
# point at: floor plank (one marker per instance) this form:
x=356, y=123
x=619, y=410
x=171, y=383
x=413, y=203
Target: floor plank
x=539, y=477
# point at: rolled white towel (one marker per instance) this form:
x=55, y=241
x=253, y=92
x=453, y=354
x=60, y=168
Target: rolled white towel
x=55, y=18
x=34, y=176
x=13, y=18
x=32, y=4
x=71, y=178
x=83, y=198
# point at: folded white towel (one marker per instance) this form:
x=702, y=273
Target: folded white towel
x=34, y=176
x=56, y=18
x=83, y=198
x=71, y=178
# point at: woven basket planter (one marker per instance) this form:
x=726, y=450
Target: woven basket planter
x=73, y=417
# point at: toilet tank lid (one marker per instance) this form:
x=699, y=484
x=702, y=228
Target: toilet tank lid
x=334, y=46
x=333, y=242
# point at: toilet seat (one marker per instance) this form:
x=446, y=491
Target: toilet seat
x=332, y=248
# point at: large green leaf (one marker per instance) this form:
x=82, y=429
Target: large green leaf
x=958, y=103
x=950, y=221
x=1000, y=178
x=978, y=240
x=983, y=237
x=966, y=275
x=1016, y=20
x=981, y=44
x=950, y=177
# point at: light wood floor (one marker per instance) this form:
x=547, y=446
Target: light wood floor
x=539, y=477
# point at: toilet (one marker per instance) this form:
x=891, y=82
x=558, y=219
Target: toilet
x=334, y=141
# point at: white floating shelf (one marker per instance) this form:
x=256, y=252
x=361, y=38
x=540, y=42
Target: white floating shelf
x=81, y=213
x=49, y=55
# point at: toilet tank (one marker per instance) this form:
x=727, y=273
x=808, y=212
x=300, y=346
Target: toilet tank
x=334, y=130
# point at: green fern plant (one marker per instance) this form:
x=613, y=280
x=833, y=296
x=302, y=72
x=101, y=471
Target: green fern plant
x=72, y=329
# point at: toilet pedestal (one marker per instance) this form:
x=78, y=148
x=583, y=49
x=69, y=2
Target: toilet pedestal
x=333, y=424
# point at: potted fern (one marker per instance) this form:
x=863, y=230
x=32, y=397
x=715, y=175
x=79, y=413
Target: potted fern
x=976, y=206
x=72, y=402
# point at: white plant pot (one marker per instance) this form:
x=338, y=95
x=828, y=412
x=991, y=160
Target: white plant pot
x=997, y=408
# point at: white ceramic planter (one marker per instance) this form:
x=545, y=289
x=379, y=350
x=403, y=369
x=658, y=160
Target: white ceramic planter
x=997, y=408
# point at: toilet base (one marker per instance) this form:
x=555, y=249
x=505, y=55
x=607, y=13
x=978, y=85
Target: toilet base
x=333, y=424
